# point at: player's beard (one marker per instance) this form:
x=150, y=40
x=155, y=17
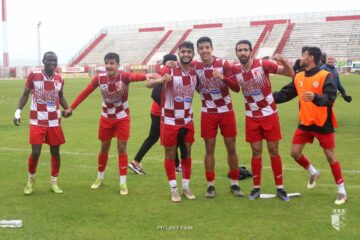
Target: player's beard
x=185, y=62
x=244, y=60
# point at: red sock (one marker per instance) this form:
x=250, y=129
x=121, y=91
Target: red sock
x=256, y=165
x=304, y=162
x=55, y=165
x=234, y=174
x=210, y=176
x=123, y=163
x=32, y=164
x=276, y=166
x=336, y=171
x=186, y=168
x=102, y=161
x=170, y=169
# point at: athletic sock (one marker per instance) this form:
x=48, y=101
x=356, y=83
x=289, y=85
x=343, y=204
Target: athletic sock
x=169, y=166
x=336, y=171
x=256, y=166
x=276, y=166
x=32, y=165
x=186, y=168
x=234, y=176
x=101, y=175
x=123, y=163
x=210, y=178
x=102, y=161
x=55, y=166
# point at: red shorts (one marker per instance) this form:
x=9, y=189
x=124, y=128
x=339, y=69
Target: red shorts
x=211, y=121
x=169, y=133
x=109, y=128
x=263, y=128
x=326, y=140
x=53, y=136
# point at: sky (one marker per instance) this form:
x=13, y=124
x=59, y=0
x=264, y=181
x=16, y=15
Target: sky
x=67, y=25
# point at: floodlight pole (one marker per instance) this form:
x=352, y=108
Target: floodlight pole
x=39, y=46
x=5, y=37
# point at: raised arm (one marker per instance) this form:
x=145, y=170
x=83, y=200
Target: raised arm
x=285, y=68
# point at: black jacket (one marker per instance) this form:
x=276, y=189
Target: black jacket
x=156, y=93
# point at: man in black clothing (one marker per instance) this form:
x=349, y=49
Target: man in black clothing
x=317, y=93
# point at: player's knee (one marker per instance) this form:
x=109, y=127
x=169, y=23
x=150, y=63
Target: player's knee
x=170, y=153
x=122, y=149
x=256, y=154
x=54, y=151
x=256, y=151
x=330, y=156
x=295, y=154
x=274, y=151
x=35, y=154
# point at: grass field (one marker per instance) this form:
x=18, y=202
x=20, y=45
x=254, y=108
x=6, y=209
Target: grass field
x=82, y=213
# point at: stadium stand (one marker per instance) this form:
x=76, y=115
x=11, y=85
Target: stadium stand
x=334, y=32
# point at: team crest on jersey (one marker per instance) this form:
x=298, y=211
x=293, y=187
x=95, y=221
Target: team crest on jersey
x=316, y=84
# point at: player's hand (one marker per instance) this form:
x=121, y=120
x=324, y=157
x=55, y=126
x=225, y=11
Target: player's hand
x=217, y=75
x=307, y=96
x=17, y=117
x=279, y=58
x=152, y=76
x=67, y=113
x=171, y=64
x=166, y=78
x=17, y=121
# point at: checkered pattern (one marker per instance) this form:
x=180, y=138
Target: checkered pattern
x=114, y=93
x=177, y=96
x=214, y=93
x=256, y=87
x=44, y=109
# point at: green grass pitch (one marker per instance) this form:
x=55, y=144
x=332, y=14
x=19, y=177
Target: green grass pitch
x=147, y=212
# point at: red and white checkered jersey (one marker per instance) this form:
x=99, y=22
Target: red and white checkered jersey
x=177, y=96
x=256, y=87
x=214, y=93
x=114, y=91
x=44, y=109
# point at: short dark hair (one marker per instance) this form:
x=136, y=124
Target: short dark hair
x=48, y=52
x=203, y=40
x=303, y=49
x=112, y=55
x=313, y=51
x=244, y=42
x=323, y=57
x=169, y=57
x=187, y=44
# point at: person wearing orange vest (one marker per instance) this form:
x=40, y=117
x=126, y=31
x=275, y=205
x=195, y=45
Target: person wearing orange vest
x=317, y=93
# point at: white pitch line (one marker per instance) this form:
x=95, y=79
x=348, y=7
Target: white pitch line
x=157, y=160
